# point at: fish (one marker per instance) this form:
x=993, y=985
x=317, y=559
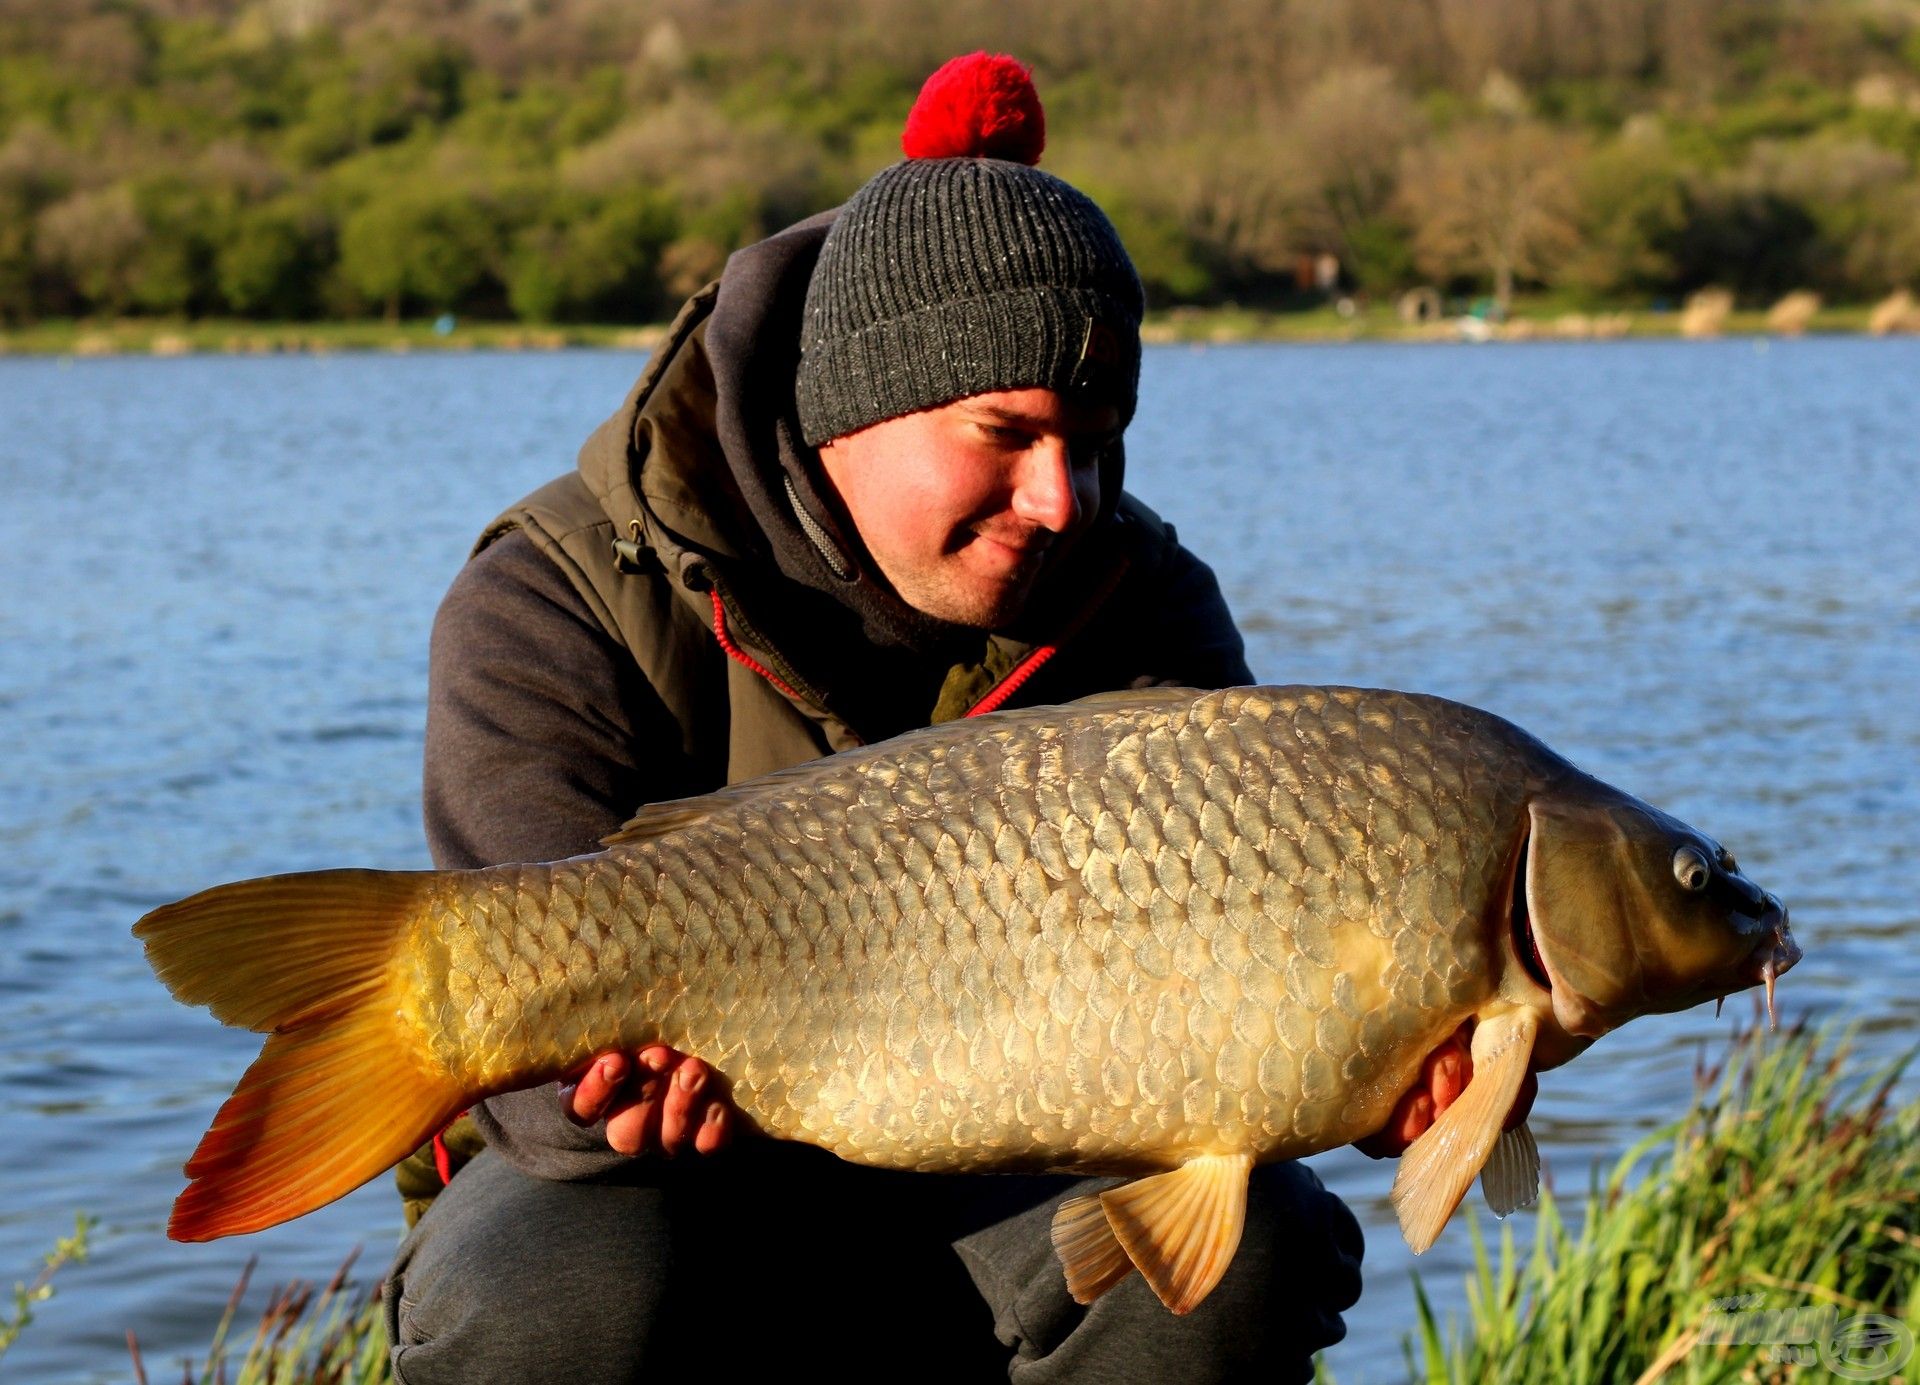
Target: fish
x=1162, y=934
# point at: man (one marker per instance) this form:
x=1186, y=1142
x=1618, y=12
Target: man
x=871, y=480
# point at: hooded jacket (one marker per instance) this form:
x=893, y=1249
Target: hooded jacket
x=690, y=608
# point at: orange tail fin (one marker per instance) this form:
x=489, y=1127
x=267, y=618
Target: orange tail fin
x=341, y=1091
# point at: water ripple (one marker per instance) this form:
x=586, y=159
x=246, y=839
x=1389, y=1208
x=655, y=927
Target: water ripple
x=1687, y=566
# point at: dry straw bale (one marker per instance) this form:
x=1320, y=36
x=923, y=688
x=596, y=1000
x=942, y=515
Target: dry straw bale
x=1706, y=313
x=1793, y=314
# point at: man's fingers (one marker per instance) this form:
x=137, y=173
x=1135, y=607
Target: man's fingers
x=632, y=1127
x=715, y=1129
x=656, y=1057
x=587, y=1100
x=1452, y=1070
x=653, y=1098
x=678, y=1115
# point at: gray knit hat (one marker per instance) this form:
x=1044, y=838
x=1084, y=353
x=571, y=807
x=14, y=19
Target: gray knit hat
x=945, y=277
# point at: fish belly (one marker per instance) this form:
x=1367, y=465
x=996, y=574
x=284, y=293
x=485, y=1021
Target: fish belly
x=1095, y=940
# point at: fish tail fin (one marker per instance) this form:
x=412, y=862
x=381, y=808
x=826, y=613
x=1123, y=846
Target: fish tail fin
x=342, y=1088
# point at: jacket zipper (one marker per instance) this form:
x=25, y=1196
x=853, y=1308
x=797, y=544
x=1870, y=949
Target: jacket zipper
x=739, y=655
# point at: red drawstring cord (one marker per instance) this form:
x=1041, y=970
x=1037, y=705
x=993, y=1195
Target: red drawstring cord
x=443, y=1161
x=1010, y=685
x=996, y=696
x=739, y=655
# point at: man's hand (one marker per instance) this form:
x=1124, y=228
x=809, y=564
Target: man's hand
x=656, y=1098
x=1443, y=1077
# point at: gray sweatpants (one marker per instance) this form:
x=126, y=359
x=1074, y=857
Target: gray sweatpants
x=771, y=1257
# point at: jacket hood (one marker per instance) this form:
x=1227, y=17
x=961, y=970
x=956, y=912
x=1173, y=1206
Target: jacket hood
x=753, y=345
x=704, y=462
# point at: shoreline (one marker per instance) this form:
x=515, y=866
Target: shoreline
x=1176, y=326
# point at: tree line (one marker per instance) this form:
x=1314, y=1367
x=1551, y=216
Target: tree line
x=556, y=160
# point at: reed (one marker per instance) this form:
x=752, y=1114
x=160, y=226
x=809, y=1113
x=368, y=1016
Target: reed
x=330, y=1336
x=1785, y=1204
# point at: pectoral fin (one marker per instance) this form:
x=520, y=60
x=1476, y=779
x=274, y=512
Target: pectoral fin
x=1178, y=1229
x=1436, y=1172
x=1511, y=1179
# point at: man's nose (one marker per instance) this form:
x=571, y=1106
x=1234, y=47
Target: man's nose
x=1044, y=493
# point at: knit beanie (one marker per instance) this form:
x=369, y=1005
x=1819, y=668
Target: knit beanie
x=965, y=269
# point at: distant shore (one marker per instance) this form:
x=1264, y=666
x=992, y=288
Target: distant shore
x=1529, y=322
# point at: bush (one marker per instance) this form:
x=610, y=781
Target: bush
x=599, y=265
x=272, y=263
x=424, y=247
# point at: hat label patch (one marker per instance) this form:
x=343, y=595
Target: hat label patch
x=1101, y=356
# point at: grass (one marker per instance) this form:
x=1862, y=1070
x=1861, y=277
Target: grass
x=332, y=1336
x=184, y=337
x=1533, y=318
x=1790, y=1188
x=67, y=1250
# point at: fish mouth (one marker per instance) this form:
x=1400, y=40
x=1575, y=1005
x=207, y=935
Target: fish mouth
x=1773, y=957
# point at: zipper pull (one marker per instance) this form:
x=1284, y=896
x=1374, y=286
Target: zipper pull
x=631, y=554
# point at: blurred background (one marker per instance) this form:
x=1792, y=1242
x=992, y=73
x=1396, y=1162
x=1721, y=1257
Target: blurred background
x=1689, y=565
x=593, y=161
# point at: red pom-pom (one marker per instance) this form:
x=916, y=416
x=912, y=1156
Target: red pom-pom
x=982, y=106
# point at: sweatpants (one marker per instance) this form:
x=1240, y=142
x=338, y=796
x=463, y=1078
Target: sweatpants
x=773, y=1259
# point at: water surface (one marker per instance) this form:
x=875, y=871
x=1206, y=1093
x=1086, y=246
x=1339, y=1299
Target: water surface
x=1691, y=567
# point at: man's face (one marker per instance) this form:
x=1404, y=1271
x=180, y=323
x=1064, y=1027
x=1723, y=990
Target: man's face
x=962, y=505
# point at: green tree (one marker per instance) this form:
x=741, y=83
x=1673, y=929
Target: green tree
x=1348, y=135
x=383, y=91
x=94, y=239
x=173, y=265
x=1631, y=207
x=36, y=170
x=1170, y=265
x=271, y=265
x=600, y=265
x=1492, y=199
x=1855, y=192
x=1750, y=239
x=425, y=246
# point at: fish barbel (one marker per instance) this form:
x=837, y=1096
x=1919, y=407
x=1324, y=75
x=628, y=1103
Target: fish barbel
x=1163, y=934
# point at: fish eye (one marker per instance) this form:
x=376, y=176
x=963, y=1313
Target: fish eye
x=1690, y=868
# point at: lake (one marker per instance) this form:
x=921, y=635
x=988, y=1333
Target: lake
x=1692, y=567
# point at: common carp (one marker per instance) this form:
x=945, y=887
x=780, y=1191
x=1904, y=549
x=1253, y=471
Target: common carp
x=1161, y=934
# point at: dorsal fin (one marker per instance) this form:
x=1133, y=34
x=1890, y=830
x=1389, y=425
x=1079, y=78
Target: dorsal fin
x=657, y=819
x=1143, y=698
